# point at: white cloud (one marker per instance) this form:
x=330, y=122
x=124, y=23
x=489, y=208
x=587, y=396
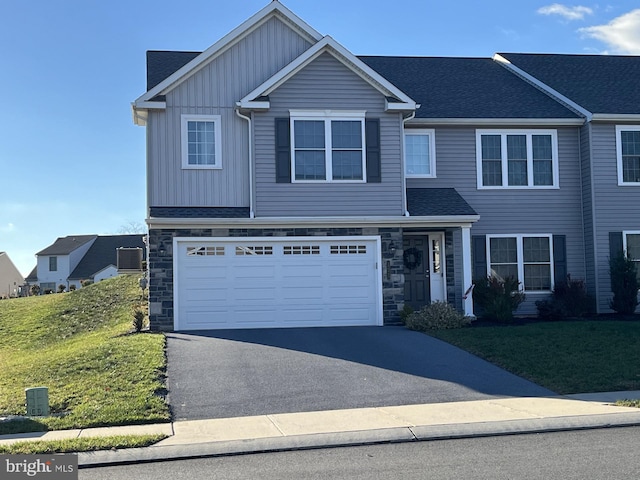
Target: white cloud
x=569, y=13
x=622, y=34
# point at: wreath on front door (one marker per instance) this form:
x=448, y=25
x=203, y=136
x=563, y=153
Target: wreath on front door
x=412, y=258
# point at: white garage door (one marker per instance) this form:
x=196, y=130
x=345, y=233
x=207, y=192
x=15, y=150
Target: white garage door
x=284, y=282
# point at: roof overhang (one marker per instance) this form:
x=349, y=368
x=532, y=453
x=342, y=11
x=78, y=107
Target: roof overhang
x=302, y=222
x=615, y=117
x=273, y=9
x=255, y=99
x=546, y=122
x=140, y=111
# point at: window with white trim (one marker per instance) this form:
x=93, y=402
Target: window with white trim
x=628, y=154
x=528, y=258
x=517, y=158
x=631, y=245
x=201, y=141
x=419, y=153
x=328, y=146
x=53, y=264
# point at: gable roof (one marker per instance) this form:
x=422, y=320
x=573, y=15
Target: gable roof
x=103, y=253
x=328, y=45
x=473, y=88
x=601, y=84
x=162, y=64
x=274, y=8
x=66, y=245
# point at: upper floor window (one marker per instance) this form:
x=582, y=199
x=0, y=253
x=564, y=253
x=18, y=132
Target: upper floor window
x=419, y=153
x=53, y=264
x=517, y=158
x=328, y=146
x=201, y=144
x=527, y=258
x=628, y=153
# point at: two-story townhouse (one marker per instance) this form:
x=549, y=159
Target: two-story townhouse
x=605, y=89
x=291, y=183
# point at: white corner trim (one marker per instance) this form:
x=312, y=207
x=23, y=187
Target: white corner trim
x=329, y=45
x=543, y=86
x=230, y=39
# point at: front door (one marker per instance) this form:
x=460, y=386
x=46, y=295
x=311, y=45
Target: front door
x=424, y=276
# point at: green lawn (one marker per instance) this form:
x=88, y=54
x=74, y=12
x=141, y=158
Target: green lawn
x=566, y=357
x=81, y=444
x=79, y=345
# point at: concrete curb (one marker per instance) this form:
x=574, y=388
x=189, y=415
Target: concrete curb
x=363, y=437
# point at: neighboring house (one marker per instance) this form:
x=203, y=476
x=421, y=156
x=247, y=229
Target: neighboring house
x=291, y=183
x=70, y=260
x=11, y=280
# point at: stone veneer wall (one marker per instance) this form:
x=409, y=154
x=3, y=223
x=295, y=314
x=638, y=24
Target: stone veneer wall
x=161, y=264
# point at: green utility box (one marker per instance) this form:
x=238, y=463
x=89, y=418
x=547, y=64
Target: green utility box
x=37, y=401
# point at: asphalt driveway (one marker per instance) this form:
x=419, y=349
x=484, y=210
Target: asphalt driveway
x=233, y=373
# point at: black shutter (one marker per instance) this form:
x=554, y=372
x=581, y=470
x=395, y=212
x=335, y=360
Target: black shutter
x=616, y=247
x=283, y=151
x=560, y=259
x=372, y=134
x=479, y=251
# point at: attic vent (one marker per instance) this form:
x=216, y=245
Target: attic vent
x=129, y=259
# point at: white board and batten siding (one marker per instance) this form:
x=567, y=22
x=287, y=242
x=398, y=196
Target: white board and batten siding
x=230, y=283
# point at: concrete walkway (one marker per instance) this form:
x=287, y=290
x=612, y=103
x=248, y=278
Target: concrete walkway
x=263, y=433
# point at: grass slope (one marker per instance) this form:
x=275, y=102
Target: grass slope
x=566, y=357
x=78, y=344
x=81, y=444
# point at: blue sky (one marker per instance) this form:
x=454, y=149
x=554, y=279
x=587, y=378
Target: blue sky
x=71, y=159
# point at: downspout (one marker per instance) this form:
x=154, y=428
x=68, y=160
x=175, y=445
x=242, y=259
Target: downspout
x=404, y=176
x=248, y=119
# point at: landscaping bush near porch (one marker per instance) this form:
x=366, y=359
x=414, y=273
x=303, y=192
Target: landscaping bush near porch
x=436, y=316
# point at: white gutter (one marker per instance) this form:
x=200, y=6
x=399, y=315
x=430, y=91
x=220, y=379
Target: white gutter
x=405, y=205
x=501, y=121
x=248, y=119
x=616, y=117
x=276, y=222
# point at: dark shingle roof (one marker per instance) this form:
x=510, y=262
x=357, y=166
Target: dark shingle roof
x=66, y=245
x=445, y=87
x=33, y=276
x=161, y=64
x=600, y=83
x=466, y=88
x=103, y=253
x=430, y=202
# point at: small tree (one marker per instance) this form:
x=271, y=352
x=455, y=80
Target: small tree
x=624, y=284
x=497, y=299
x=138, y=319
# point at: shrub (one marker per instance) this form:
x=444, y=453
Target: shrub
x=624, y=284
x=405, y=312
x=436, y=316
x=497, y=299
x=72, y=288
x=35, y=289
x=568, y=299
x=86, y=283
x=138, y=319
x=61, y=288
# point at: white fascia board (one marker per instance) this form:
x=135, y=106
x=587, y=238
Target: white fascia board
x=140, y=111
x=254, y=105
x=543, y=86
x=274, y=222
x=559, y=122
x=616, y=117
x=233, y=37
x=329, y=45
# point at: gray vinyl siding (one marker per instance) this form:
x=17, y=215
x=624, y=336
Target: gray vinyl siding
x=510, y=211
x=616, y=208
x=327, y=84
x=213, y=90
x=587, y=207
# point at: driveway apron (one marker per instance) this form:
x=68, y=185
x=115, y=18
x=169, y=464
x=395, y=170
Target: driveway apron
x=234, y=373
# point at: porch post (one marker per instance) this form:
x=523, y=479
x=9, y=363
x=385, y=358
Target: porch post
x=467, y=281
